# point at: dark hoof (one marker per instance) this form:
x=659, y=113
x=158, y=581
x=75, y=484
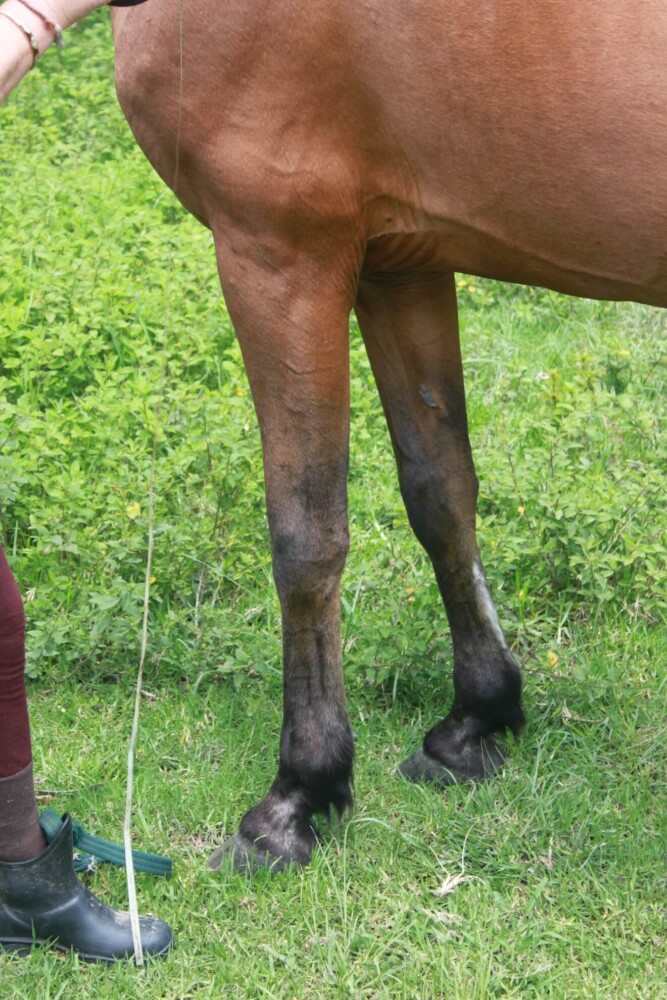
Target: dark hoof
x=475, y=761
x=247, y=857
x=275, y=834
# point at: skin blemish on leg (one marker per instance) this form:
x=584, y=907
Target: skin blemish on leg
x=427, y=396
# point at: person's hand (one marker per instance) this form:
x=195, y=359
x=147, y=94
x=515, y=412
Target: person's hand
x=28, y=28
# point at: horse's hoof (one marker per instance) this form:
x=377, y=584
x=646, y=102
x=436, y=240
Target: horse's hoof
x=246, y=857
x=420, y=768
x=477, y=762
x=275, y=834
x=225, y=850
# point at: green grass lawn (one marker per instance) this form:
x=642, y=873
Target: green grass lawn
x=547, y=882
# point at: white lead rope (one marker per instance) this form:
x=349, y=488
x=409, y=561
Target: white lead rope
x=127, y=825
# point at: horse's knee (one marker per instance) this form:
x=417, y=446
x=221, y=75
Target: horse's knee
x=308, y=561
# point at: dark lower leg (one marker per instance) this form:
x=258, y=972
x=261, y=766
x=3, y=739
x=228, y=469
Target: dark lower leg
x=316, y=745
x=487, y=687
x=411, y=333
x=20, y=834
x=487, y=680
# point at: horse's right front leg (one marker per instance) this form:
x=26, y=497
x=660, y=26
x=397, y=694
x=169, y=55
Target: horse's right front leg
x=293, y=331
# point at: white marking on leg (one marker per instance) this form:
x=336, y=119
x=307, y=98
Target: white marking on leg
x=485, y=605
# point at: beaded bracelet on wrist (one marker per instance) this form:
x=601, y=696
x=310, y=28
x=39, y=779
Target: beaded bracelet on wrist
x=26, y=31
x=51, y=25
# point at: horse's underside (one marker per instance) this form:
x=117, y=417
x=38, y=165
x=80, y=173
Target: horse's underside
x=353, y=156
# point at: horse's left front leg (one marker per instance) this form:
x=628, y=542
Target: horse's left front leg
x=293, y=330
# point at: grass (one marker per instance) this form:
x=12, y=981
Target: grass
x=548, y=881
x=561, y=855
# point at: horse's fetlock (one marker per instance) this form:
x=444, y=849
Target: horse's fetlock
x=490, y=692
x=322, y=772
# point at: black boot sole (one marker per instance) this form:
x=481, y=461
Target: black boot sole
x=22, y=947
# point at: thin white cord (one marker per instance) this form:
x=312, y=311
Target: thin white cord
x=127, y=825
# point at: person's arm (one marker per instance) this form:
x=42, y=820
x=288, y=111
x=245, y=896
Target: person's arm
x=26, y=25
x=16, y=56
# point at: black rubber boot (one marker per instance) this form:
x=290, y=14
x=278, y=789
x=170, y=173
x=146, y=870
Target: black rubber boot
x=42, y=901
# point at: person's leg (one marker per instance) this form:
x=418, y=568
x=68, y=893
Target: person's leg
x=41, y=898
x=20, y=833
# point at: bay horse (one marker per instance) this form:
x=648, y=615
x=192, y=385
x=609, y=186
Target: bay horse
x=353, y=155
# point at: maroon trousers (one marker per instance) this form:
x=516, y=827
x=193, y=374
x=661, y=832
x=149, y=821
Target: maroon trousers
x=15, y=750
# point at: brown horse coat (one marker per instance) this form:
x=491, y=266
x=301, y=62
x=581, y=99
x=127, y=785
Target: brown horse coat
x=353, y=155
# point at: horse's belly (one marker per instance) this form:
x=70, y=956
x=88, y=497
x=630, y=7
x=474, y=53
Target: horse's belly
x=573, y=261
x=533, y=142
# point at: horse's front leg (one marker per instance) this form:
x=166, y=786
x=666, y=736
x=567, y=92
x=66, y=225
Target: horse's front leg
x=293, y=327
x=410, y=328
